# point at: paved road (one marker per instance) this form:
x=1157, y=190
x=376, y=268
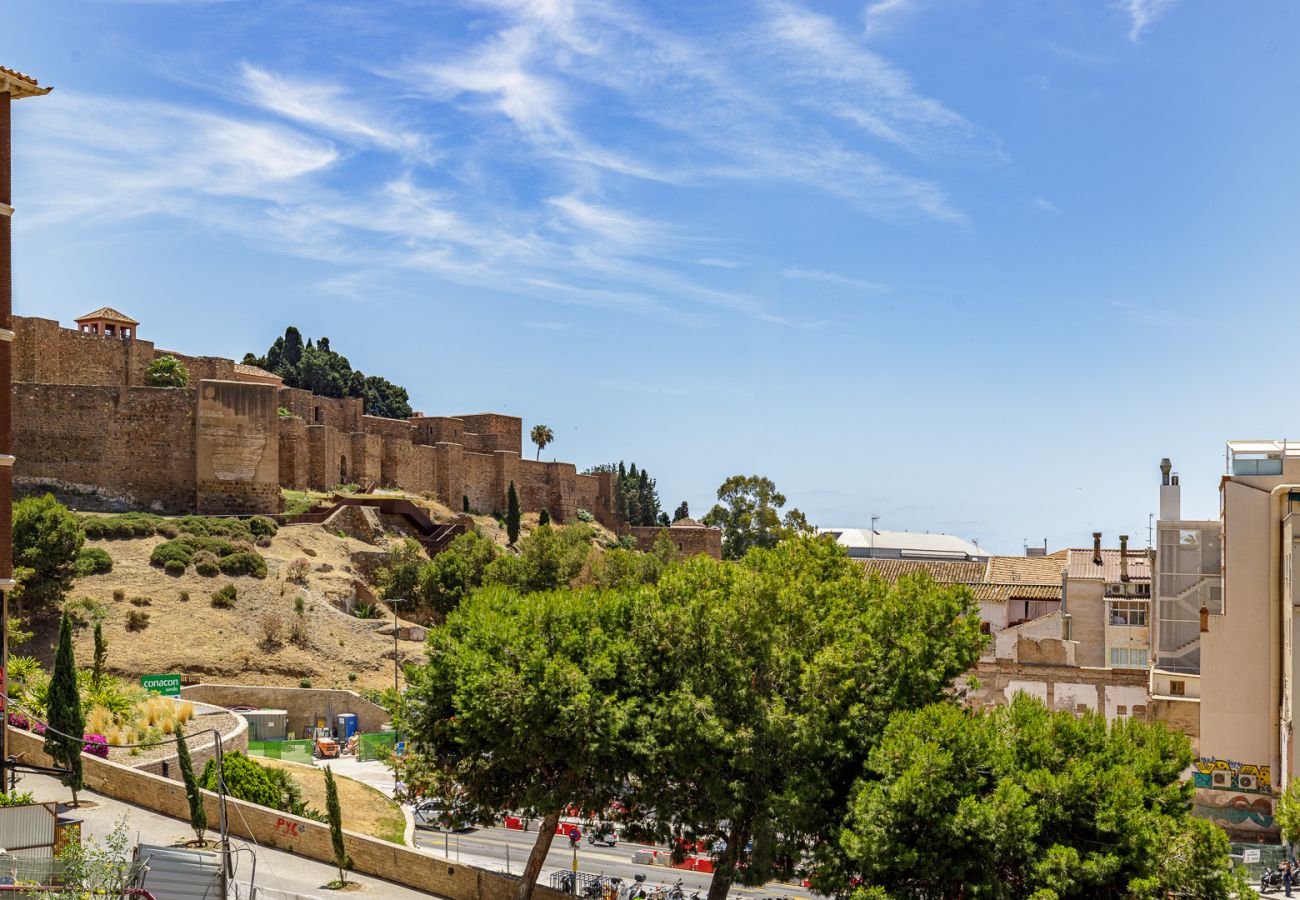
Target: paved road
x=492, y=848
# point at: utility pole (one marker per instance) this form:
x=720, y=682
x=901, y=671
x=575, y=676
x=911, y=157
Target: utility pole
x=874, y=520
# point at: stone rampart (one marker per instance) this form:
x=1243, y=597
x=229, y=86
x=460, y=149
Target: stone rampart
x=237, y=449
x=106, y=447
x=687, y=540
x=220, y=446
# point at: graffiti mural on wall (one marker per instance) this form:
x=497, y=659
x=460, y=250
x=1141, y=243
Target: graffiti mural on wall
x=1230, y=775
x=1236, y=796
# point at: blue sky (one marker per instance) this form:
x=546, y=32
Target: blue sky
x=972, y=265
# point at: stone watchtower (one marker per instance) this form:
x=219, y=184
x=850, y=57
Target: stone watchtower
x=13, y=86
x=108, y=322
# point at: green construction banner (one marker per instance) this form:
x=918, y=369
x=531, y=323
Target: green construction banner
x=167, y=685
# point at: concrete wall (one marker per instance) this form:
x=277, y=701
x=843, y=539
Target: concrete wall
x=282, y=831
x=1116, y=693
x=237, y=451
x=1239, y=653
x=106, y=447
x=303, y=705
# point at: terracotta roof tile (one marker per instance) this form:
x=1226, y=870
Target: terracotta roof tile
x=1025, y=570
x=17, y=84
x=687, y=522
x=243, y=369
x=107, y=312
x=941, y=571
x=1001, y=592
x=1082, y=566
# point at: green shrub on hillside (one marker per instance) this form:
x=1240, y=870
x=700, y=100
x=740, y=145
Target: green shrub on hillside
x=168, y=552
x=126, y=525
x=243, y=779
x=85, y=611
x=93, y=561
x=136, y=620
x=138, y=525
x=261, y=526
x=205, y=563
x=174, y=567
x=243, y=564
x=224, y=598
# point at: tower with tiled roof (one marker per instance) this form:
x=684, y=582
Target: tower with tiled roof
x=13, y=86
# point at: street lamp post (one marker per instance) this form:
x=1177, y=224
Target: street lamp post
x=393, y=603
x=396, y=694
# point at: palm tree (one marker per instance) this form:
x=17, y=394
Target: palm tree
x=541, y=436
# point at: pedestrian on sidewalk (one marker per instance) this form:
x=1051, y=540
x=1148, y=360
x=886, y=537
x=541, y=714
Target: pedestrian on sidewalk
x=1286, y=876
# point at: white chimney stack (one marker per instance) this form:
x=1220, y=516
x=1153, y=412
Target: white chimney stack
x=1170, y=494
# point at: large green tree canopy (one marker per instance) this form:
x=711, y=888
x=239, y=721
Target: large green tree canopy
x=1019, y=801
x=317, y=368
x=531, y=702
x=749, y=513
x=776, y=676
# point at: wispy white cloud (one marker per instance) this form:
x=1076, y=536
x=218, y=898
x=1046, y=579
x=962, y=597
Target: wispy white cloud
x=835, y=278
x=880, y=15
x=529, y=191
x=1042, y=203
x=322, y=106
x=1143, y=13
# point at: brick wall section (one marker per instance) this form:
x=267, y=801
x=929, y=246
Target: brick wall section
x=689, y=541
x=282, y=831
x=134, y=442
x=237, y=449
x=6, y=356
x=304, y=705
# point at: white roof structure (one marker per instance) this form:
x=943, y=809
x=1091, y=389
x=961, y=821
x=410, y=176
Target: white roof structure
x=864, y=543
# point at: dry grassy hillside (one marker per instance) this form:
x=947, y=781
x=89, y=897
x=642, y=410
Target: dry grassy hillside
x=193, y=637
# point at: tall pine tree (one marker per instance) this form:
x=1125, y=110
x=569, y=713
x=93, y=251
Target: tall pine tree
x=101, y=656
x=67, y=726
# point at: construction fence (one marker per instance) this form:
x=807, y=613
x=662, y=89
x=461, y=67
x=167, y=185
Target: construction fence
x=290, y=751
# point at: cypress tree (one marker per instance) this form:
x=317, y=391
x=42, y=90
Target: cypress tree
x=335, y=816
x=292, y=350
x=198, y=815
x=544, y=517
x=101, y=656
x=683, y=511
x=63, y=708
x=512, y=514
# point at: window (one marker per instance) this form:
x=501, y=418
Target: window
x=1128, y=657
x=1127, y=612
x=1177, y=688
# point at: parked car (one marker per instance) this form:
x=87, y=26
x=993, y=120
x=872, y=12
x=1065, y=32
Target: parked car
x=602, y=833
x=438, y=815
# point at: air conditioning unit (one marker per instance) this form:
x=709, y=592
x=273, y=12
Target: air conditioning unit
x=1248, y=782
x=1221, y=779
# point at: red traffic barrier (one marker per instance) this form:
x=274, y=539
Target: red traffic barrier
x=514, y=822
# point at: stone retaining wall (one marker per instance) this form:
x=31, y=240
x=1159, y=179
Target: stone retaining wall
x=282, y=831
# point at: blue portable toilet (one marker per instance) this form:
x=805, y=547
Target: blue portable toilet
x=347, y=726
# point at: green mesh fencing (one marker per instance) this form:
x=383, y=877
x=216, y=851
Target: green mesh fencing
x=291, y=751
x=376, y=746
x=1269, y=857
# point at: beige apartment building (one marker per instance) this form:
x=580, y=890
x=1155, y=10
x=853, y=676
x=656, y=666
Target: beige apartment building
x=1246, y=655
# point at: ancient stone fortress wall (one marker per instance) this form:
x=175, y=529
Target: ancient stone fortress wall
x=690, y=540
x=87, y=427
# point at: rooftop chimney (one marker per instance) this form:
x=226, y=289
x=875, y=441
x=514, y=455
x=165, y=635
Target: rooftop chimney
x=1123, y=557
x=1096, y=548
x=1170, y=494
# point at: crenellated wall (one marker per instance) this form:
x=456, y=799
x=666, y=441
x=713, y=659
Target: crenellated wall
x=85, y=425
